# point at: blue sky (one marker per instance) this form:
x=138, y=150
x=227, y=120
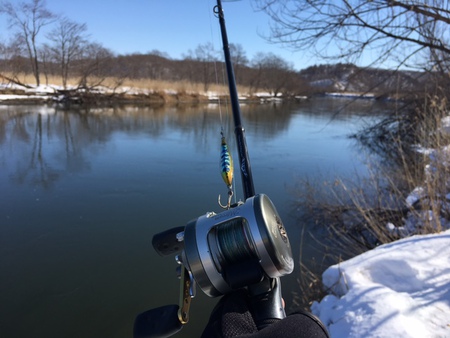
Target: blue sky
x=171, y=26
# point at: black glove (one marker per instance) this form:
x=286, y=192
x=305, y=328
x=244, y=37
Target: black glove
x=232, y=318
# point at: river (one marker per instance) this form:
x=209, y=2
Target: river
x=83, y=191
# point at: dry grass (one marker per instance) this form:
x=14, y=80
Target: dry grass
x=160, y=85
x=29, y=79
x=350, y=217
x=132, y=84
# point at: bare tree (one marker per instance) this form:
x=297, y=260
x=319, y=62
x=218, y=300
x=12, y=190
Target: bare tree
x=68, y=39
x=93, y=64
x=274, y=74
x=403, y=32
x=46, y=62
x=2, y=48
x=205, y=55
x=239, y=60
x=13, y=63
x=29, y=19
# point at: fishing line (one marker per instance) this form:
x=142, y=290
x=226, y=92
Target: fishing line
x=216, y=72
x=226, y=160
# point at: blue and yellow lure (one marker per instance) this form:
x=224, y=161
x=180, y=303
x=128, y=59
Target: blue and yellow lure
x=226, y=163
x=226, y=170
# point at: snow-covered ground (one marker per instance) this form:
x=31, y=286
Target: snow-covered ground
x=46, y=93
x=49, y=93
x=401, y=289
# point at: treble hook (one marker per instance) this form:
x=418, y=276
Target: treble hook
x=230, y=196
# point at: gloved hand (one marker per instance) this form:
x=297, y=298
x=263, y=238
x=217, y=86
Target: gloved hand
x=232, y=318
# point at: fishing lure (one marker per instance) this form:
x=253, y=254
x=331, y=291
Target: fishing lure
x=226, y=163
x=226, y=170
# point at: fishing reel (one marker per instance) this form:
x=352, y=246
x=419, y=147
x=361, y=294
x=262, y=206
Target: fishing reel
x=245, y=246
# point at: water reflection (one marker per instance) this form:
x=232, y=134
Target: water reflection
x=42, y=144
x=84, y=191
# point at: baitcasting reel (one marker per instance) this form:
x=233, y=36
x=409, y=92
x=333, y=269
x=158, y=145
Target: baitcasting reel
x=245, y=246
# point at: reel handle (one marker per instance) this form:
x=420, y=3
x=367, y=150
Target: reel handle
x=167, y=320
x=266, y=302
x=161, y=322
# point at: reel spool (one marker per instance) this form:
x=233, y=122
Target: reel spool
x=237, y=247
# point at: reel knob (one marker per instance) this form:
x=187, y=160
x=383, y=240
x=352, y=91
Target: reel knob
x=157, y=323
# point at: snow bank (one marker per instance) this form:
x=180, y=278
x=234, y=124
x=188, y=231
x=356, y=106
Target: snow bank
x=10, y=97
x=400, y=289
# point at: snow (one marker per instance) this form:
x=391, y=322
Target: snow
x=32, y=93
x=401, y=289
x=352, y=95
x=42, y=89
x=9, y=97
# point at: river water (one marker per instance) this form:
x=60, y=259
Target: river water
x=83, y=191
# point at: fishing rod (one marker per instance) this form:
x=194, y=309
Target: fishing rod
x=244, y=161
x=244, y=247
x=266, y=295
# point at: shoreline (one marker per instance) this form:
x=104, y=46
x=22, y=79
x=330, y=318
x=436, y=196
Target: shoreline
x=107, y=96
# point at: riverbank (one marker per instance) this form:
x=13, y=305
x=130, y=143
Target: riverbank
x=19, y=94
x=399, y=289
